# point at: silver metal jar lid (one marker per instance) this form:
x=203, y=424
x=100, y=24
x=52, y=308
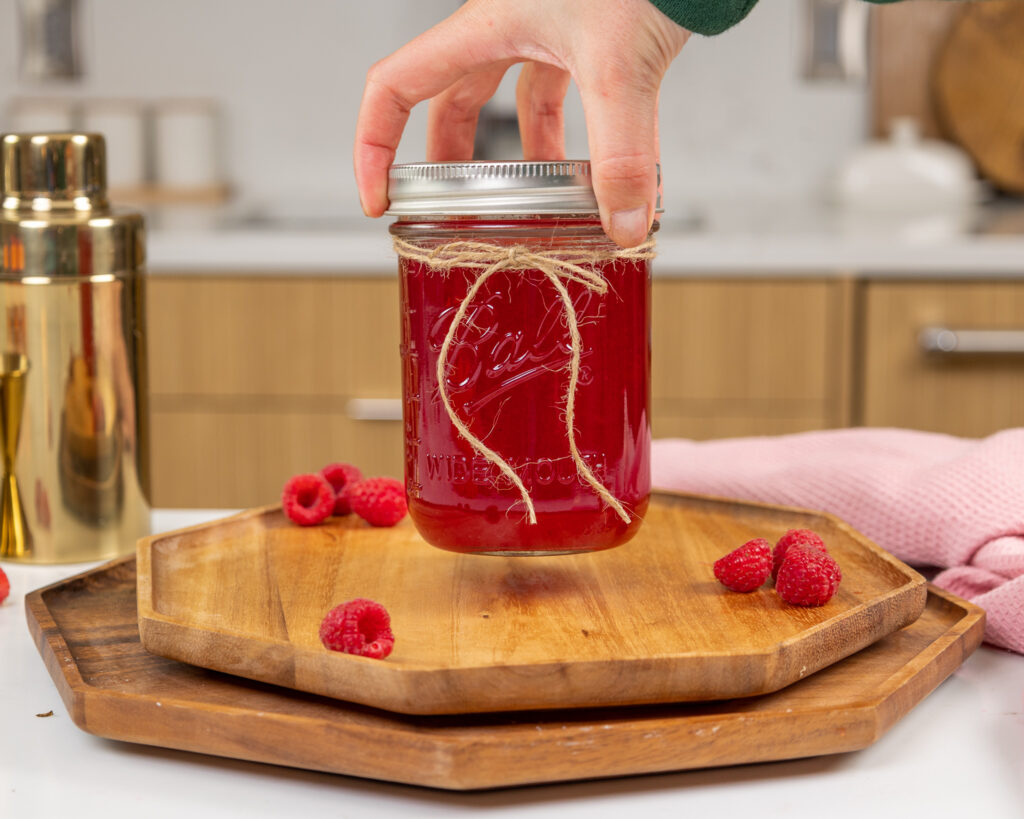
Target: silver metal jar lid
x=513, y=188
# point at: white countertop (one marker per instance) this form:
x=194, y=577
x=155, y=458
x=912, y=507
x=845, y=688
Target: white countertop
x=960, y=753
x=790, y=239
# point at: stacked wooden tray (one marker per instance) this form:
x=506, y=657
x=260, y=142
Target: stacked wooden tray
x=505, y=671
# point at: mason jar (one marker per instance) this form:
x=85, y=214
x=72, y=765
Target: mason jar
x=526, y=359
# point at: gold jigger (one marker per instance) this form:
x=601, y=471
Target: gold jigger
x=15, y=538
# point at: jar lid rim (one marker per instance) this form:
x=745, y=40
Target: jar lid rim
x=506, y=187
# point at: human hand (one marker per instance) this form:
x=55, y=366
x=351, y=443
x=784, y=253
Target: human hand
x=617, y=51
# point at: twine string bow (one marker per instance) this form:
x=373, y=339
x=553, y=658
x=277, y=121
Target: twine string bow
x=559, y=267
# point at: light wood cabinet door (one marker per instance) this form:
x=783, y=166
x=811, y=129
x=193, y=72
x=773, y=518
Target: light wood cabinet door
x=241, y=458
x=253, y=379
x=958, y=393
x=273, y=335
x=734, y=357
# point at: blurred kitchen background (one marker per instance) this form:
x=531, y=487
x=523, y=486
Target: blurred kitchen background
x=810, y=275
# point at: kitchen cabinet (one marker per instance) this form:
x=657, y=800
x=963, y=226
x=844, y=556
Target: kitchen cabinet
x=758, y=356
x=955, y=391
x=254, y=378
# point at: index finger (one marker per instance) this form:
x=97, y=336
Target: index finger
x=419, y=70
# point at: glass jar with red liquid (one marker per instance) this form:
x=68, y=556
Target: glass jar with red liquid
x=526, y=360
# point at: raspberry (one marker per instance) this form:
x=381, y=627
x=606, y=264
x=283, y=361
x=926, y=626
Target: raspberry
x=307, y=499
x=5, y=586
x=745, y=568
x=360, y=627
x=802, y=536
x=341, y=477
x=379, y=501
x=808, y=576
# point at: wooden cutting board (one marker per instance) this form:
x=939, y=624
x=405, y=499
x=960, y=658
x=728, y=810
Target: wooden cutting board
x=86, y=632
x=643, y=623
x=978, y=86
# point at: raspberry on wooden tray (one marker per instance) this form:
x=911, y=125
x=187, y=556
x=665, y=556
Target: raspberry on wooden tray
x=792, y=538
x=360, y=627
x=807, y=577
x=746, y=568
x=307, y=499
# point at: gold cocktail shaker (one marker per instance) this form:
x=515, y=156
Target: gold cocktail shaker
x=74, y=420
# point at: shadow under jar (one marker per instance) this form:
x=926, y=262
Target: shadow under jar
x=519, y=438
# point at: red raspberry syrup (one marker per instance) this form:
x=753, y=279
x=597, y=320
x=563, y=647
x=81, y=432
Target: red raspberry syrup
x=507, y=378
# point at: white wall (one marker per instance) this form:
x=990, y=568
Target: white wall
x=737, y=119
x=744, y=122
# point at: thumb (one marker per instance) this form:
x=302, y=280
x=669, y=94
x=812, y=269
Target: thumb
x=622, y=132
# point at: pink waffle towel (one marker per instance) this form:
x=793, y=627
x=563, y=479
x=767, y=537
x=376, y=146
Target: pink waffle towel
x=931, y=500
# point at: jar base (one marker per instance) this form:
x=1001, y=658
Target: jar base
x=556, y=533
x=532, y=553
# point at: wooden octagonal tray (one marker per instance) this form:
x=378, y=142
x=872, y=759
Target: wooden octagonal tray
x=86, y=632
x=644, y=623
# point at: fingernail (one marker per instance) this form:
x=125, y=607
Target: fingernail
x=629, y=227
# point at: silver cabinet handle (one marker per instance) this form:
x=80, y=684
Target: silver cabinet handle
x=945, y=341
x=375, y=409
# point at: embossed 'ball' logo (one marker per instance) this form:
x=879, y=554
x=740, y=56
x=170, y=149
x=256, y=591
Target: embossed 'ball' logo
x=494, y=352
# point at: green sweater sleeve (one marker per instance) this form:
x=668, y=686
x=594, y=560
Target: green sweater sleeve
x=712, y=16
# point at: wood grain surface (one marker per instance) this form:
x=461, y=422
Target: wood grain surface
x=979, y=88
x=86, y=632
x=731, y=356
x=734, y=356
x=291, y=353
x=643, y=623
x=971, y=396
